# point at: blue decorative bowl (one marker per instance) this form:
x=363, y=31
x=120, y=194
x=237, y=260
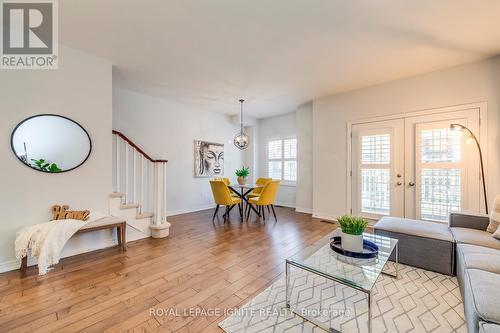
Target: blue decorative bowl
x=370, y=249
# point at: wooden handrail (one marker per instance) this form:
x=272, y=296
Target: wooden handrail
x=137, y=148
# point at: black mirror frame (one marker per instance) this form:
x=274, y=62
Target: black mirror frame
x=52, y=115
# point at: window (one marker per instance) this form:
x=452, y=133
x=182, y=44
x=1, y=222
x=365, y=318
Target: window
x=282, y=159
x=375, y=174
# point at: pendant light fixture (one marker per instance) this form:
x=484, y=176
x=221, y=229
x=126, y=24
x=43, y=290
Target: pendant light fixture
x=241, y=140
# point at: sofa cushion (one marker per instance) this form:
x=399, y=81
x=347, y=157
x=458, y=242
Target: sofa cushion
x=485, y=288
x=479, y=257
x=415, y=228
x=488, y=328
x=475, y=237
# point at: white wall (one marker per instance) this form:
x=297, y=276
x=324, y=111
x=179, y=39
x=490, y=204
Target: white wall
x=167, y=130
x=304, y=189
x=477, y=82
x=81, y=90
x=250, y=155
x=272, y=128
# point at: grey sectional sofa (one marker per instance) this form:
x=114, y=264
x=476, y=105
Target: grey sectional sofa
x=419, y=242
x=478, y=271
x=475, y=257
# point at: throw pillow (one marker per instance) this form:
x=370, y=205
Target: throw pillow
x=496, y=234
x=494, y=216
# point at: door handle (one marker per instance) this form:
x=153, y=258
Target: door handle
x=411, y=183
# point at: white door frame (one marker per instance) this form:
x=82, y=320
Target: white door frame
x=482, y=137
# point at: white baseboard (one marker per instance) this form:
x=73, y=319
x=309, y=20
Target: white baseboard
x=110, y=241
x=105, y=243
x=189, y=210
x=15, y=264
x=135, y=235
x=211, y=206
x=284, y=204
x=304, y=210
x=9, y=265
x=326, y=217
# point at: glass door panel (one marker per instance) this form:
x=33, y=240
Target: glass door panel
x=441, y=168
x=439, y=171
x=377, y=169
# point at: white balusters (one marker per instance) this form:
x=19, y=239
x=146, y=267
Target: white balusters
x=134, y=175
x=127, y=174
x=142, y=182
x=118, y=164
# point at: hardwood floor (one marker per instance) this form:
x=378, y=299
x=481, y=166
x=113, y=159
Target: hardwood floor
x=200, y=267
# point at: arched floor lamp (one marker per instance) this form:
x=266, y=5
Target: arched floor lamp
x=471, y=135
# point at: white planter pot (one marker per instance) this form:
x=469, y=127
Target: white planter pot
x=242, y=180
x=352, y=243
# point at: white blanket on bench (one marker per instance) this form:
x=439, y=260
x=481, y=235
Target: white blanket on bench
x=46, y=240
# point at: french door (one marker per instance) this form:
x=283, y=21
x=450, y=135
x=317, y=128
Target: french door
x=378, y=166
x=415, y=167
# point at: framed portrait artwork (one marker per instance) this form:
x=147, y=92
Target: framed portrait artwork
x=208, y=159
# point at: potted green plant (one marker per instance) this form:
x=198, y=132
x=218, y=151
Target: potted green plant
x=352, y=232
x=242, y=175
x=46, y=166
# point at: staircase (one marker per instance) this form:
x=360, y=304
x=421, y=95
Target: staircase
x=139, y=190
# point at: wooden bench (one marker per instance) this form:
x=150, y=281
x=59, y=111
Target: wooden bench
x=101, y=224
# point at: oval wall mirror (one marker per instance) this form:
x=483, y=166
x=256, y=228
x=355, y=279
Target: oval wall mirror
x=51, y=143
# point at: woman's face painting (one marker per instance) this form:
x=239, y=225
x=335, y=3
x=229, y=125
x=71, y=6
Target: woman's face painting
x=213, y=159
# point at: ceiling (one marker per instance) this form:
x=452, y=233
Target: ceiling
x=277, y=54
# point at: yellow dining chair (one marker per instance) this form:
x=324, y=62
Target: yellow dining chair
x=256, y=191
x=266, y=198
x=227, y=181
x=222, y=197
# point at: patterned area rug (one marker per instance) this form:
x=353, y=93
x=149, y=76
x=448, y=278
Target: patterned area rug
x=418, y=301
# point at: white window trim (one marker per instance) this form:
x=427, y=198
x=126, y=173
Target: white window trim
x=282, y=159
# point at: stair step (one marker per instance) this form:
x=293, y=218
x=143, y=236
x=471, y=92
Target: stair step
x=144, y=216
x=116, y=195
x=130, y=205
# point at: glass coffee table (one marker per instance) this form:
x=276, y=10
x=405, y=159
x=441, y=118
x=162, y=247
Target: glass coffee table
x=351, y=279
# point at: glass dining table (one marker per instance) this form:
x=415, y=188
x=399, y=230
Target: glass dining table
x=242, y=191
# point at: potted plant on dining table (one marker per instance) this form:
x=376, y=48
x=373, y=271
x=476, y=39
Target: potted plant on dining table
x=242, y=175
x=352, y=232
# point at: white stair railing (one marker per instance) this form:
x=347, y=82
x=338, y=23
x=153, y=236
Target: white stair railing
x=142, y=181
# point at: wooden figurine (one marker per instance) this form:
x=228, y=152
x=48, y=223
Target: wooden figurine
x=62, y=213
